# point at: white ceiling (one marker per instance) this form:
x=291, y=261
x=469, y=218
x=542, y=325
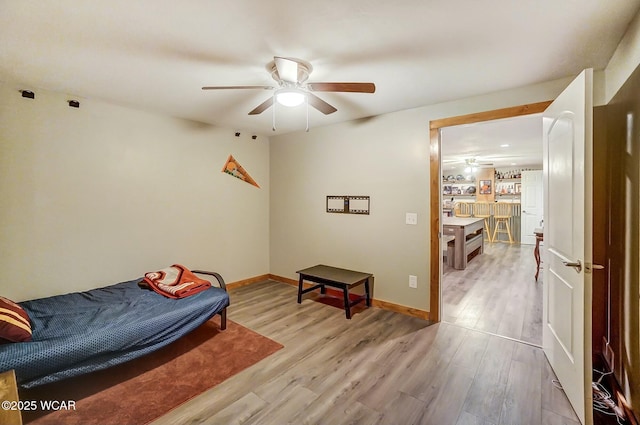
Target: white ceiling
x=156, y=54
x=512, y=143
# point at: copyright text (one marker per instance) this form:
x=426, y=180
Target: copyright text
x=25, y=405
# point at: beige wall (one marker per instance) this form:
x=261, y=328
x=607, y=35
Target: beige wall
x=385, y=157
x=101, y=194
x=624, y=60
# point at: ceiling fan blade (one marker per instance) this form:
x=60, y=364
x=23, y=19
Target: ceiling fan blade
x=236, y=87
x=287, y=69
x=320, y=104
x=262, y=107
x=343, y=87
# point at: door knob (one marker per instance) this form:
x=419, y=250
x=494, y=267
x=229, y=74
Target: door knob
x=575, y=264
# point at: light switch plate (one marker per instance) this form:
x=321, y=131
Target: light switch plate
x=411, y=218
x=413, y=281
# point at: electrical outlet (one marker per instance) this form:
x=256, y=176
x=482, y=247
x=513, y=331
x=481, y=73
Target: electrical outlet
x=411, y=218
x=413, y=281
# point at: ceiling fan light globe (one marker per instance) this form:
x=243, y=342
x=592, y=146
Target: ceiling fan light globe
x=289, y=98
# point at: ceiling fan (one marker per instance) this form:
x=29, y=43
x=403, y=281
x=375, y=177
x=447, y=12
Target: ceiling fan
x=293, y=88
x=469, y=162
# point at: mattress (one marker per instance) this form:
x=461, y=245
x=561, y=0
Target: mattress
x=83, y=332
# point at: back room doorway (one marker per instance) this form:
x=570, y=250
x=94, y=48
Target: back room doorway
x=482, y=296
x=494, y=169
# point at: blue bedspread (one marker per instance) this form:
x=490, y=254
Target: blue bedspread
x=87, y=331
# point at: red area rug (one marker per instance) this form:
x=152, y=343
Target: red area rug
x=142, y=390
x=335, y=298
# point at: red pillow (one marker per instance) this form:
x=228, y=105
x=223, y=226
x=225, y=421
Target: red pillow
x=15, y=325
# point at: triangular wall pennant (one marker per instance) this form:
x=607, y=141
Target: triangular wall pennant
x=232, y=167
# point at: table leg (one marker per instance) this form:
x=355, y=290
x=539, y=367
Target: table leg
x=347, y=302
x=460, y=255
x=367, y=291
x=300, y=290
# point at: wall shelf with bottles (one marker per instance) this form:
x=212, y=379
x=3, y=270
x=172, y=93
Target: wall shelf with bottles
x=507, y=175
x=511, y=187
x=508, y=184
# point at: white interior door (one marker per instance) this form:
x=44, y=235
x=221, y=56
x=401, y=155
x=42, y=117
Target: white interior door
x=531, y=199
x=567, y=158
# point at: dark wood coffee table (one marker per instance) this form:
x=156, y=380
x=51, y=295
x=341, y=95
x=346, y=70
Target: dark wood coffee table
x=338, y=278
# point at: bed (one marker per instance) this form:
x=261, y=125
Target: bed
x=82, y=332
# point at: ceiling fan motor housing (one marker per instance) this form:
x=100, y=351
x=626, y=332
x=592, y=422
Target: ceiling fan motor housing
x=302, y=71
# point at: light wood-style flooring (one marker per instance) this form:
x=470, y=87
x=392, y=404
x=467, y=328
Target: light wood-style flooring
x=379, y=368
x=496, y=293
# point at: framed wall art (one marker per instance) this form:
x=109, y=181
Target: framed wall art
x=485, y=187
x=518, y=188
x=348, y=204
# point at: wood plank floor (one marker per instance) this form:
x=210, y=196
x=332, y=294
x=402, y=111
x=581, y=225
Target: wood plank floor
x=496, y=293
x=380, y=368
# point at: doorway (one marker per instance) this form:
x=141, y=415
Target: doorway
x=435, y=201
x=490, y=169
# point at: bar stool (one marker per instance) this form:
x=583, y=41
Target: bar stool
x=463, y=209
x=483, y=210
x=502, y=214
